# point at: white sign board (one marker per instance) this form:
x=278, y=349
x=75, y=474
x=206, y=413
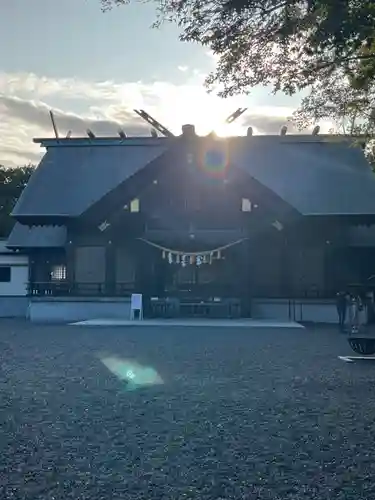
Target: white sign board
x=136, y=305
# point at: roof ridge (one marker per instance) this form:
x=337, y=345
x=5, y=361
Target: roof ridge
x=155, y=141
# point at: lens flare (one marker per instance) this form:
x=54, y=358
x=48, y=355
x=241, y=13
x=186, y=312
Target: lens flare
x=214, y=162
x=135, y=375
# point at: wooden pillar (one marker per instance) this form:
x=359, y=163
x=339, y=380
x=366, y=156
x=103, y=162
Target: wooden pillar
x=142, y=265
x=110, y=269
x=249, y=273
x=45, y=263
x=160, y=275
x=31, y=274
x=70, y=262
x=243, y=272
x=328, y=269
x=285, y=265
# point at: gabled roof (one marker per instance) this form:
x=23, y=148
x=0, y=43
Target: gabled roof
x=36, y=236
x=3, y=247
x=71, y=177
x=316, y=175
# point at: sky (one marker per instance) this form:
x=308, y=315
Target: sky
x=93, y=69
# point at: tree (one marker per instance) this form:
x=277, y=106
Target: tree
x=288, y=44
x=351, y=110
x=12, y=183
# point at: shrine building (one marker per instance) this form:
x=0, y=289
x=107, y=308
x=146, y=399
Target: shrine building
x=252, y=226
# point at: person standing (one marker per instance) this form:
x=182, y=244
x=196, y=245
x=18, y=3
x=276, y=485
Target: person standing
x=356, y=313
x=370, y=303
x=341, y=306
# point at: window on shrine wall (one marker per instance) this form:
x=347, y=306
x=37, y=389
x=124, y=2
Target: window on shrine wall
x=5, y=274
x=58, y=273
x=246, y=205
x=134, y=205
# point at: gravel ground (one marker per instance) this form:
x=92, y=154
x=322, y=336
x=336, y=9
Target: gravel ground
x=268, y=414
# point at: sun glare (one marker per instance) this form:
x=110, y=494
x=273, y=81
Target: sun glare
x=229, y=129
x=206, y=112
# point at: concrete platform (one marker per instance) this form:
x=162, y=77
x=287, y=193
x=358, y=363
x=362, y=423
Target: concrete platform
x=352, y=359
x=234, y=323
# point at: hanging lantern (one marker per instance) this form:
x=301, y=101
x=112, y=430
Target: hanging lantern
x=178, y=259
x=191, y=259
x=164, y=254
x=218, y=256
x=170, y=258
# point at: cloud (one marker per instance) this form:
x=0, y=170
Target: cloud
x=20, y=156
x=26, y=99
x=37, y=114
x=20, y=84
x=270, y=124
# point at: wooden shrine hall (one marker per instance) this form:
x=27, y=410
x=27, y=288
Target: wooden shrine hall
x=199, y=225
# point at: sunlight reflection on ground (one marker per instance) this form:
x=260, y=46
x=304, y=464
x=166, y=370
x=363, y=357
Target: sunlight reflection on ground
x=135, y=375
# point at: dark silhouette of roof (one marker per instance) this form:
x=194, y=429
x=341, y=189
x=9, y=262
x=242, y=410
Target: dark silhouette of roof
x=70, y=178
x=316, y=175
x=36, y=236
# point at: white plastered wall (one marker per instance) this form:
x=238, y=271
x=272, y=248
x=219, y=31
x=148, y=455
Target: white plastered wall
x=19, y=265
